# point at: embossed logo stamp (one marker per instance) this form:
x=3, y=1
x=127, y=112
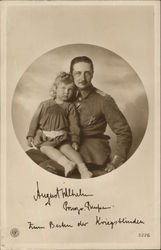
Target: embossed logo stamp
x=14, y=232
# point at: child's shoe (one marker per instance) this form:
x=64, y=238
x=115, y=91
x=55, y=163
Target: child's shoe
x=86, y=174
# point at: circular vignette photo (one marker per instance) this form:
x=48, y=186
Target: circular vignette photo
x=80, y=111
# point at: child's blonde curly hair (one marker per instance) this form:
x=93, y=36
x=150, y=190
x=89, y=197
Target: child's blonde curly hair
x=62, y=77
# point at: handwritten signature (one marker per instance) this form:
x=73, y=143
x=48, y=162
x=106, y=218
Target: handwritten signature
x=59, y=193
x=86, y=207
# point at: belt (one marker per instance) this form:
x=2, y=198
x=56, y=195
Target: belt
x=53, y=134
x=99, y=136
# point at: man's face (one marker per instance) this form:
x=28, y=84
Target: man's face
x=82, y=74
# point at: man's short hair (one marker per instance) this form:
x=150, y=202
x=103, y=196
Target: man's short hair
x=81, y=59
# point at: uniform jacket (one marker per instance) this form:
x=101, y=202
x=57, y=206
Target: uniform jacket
x=98, y=110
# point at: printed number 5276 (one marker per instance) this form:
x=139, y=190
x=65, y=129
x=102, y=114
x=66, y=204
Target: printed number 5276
x=144, y=235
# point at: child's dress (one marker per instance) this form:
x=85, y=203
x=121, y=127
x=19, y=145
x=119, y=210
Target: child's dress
x=60, y=120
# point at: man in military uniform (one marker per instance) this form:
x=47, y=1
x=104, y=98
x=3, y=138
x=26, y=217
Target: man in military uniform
x=96, y=110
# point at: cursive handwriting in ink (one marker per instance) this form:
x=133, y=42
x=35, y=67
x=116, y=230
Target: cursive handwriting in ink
x=99, y=221
x=59, y=193
x=97, y=207
x=86, y=207
x=82, y=224
x=67, y=208
x=32, y=226
x=59, y=225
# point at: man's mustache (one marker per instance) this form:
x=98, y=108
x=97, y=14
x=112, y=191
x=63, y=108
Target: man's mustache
x=83, y=82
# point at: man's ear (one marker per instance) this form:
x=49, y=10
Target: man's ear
x=92, y=75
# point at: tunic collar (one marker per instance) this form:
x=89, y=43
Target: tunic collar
x=85, y=92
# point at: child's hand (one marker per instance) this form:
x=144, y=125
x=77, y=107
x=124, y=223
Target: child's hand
x=75, y=146
x=39, y=137
x=30, y=141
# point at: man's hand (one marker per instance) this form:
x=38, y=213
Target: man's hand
x=75, y=146
x=39, y=137
x=30, y=141
x=109, y=167
x=116, y=162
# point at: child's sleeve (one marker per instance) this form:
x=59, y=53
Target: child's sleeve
x=34, y=124
x=74, y=129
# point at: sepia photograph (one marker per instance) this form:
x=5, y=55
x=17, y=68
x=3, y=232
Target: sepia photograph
x=80, y=125
x=103, y=134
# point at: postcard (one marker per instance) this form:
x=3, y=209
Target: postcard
x=80, y=134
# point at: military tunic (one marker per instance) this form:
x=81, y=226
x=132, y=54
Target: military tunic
x=96, y=110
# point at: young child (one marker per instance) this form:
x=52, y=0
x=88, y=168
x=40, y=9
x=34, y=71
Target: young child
x=58, y=120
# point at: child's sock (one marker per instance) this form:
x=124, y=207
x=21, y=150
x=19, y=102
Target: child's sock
x=84, y=172
x=67, y=164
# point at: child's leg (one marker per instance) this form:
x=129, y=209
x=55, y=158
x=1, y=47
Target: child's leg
x=56, y=155
x=74, y=156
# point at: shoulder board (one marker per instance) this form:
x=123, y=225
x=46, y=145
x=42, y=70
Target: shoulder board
x=100, y=92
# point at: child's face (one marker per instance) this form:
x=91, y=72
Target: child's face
x=64, y=91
